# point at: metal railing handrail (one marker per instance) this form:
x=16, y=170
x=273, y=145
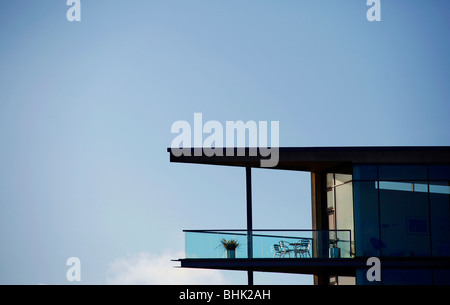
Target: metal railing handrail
x=267, y=230
x=228, y=232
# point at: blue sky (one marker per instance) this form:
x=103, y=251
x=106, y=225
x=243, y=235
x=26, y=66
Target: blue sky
x=86, y=110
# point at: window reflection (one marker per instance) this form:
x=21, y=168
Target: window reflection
x=440, y=189
x=402, y=216
x=403, y=213
x=413, y=186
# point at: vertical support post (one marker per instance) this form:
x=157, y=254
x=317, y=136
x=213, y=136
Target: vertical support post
x=248, y=178
x=319, y=222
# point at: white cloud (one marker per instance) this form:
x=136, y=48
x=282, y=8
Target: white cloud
x=151, y=269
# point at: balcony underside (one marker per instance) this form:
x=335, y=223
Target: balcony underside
x=281, y=265
x=331, y=266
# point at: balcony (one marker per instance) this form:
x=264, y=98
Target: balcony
x=287, y=251
x=204, y=249
x=207, y=244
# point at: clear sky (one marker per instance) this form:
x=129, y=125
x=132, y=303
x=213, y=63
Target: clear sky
x=86, y=110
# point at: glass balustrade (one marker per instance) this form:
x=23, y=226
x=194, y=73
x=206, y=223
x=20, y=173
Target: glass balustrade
x=204, y=244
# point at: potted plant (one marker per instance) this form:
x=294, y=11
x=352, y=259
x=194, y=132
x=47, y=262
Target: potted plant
x=230, y=246
x=335, y=252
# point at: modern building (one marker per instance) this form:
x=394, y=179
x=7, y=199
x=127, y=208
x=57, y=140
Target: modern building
x=392, y=203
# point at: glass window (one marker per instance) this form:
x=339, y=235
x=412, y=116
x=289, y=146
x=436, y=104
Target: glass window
x=439, y=172
x=344, y=209
x=440, y=223
x=344, y=206
x=330, y=199
x=421, y=186
x=440, y=187
x=404, y=223
x=403, y=172
x=365, y=172
x=339, y=187
x=367, y=233
x=417, y=225
x=401, y=214
x=330, y=179
x=331, y=225
x=397, y=186
x=342, y=178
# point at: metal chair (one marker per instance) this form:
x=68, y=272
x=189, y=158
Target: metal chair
x=278, y=251
x=285, y=248
x=302, y=247
x=281, y=249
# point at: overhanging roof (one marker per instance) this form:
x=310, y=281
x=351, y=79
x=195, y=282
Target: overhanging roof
x=318, y=158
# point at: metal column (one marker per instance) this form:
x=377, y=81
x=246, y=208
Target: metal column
x=248, y=177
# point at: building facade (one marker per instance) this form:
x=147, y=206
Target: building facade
x=392, y=203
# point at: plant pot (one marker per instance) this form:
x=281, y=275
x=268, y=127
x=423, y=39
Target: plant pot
x=231, y=253
x=335, y=252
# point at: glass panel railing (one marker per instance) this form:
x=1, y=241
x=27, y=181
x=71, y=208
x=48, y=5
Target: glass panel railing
x=282, y=244
x=208, y=244
x=268, y=244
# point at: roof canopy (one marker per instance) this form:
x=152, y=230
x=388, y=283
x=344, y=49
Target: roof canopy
x=315, y=159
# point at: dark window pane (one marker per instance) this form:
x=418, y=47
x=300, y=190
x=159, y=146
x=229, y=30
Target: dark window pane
x=364, y=172
x=404, y=223
x=440, y=224
x=417, y=225
x=403, y=172
x=440, y=172
x=367, y=234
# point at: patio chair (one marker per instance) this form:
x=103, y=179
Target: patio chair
x=302, y=248
x=285, y=248
x=278, y=251
x=281, y=249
